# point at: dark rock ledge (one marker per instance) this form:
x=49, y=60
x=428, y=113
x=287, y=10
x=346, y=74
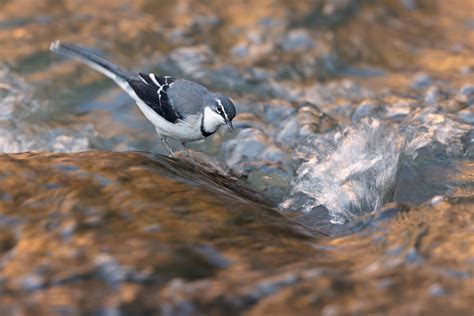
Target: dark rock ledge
x=135, y=234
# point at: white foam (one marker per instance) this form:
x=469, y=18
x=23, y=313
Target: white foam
x=357, y=176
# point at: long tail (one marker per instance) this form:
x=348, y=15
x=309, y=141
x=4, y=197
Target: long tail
x=119, y=75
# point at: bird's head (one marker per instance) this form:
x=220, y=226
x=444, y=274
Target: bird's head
x=218, y=110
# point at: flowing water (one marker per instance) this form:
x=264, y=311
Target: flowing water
x=346, y=189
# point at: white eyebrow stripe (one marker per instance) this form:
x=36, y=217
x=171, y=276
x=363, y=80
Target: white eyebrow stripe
x=153, y=78
x=222, y=107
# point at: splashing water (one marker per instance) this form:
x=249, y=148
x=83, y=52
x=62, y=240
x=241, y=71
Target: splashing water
x=356, y=176
x=350, y=173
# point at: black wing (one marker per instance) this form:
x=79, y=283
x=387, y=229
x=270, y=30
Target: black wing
x=152, y=90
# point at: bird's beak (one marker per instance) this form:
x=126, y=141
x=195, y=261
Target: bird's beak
x=230, y=126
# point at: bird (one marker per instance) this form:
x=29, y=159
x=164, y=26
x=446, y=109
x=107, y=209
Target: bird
x=179, y=109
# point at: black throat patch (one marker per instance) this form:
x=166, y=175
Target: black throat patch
x=203, y=130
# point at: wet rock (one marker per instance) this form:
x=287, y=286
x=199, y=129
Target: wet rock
x=452, y=105
x=466, y=70
x=258, y=74
x=153, y=228
x=437, y=290
x=336, y=94
x=431, y=128
x=283, y=91
x=31, y=282
x=240, y=50
x=108, y=311
x=307, y=120
x=434, y=95
x=437, y=200
x=410, y=4
x=273, y=154
x=466, y=116
x=248, y=144
x=64, y=143
x=297, y=40
x=289, y=133
x=192, y=60
x=277, y=110
x=283, y=293
x=227, y=78
x=367, y=108
x=259, y=41
x=398, y=112
x=109, y=269
x=413, y=257
x=272, y=285
x=249, y=120
x=183, y=248
x=203, y=23
x=7, y=240
x=213, y=256
x=22, y=130
x=400, y=109
x=272, y=180
x=421, y=81
x=7, y=108
x=68, y=228
x=466, y=94
x=316, y=147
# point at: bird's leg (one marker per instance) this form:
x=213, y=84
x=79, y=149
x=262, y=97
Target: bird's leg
x=188, y=152
x=165, y=141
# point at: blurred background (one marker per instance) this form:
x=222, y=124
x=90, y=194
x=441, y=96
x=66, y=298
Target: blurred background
x=252, y=51
x=354, y=134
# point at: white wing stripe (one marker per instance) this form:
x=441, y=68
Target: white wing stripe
x=142, y=79
x=153, y=78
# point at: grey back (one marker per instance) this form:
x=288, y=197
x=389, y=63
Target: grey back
x=187, y=96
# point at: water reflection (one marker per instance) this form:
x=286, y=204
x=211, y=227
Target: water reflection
x=314, y=82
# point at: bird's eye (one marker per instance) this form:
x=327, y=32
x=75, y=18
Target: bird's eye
x=219, y=109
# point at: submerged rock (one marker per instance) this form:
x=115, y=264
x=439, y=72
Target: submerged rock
x=421, y=80
x=367, y=108
x=22, y=130
x=218, y=247
x=139, y=190
x=466, y=116
x=466, y=94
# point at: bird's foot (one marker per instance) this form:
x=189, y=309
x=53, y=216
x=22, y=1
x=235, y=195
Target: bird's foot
x=188, y=153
